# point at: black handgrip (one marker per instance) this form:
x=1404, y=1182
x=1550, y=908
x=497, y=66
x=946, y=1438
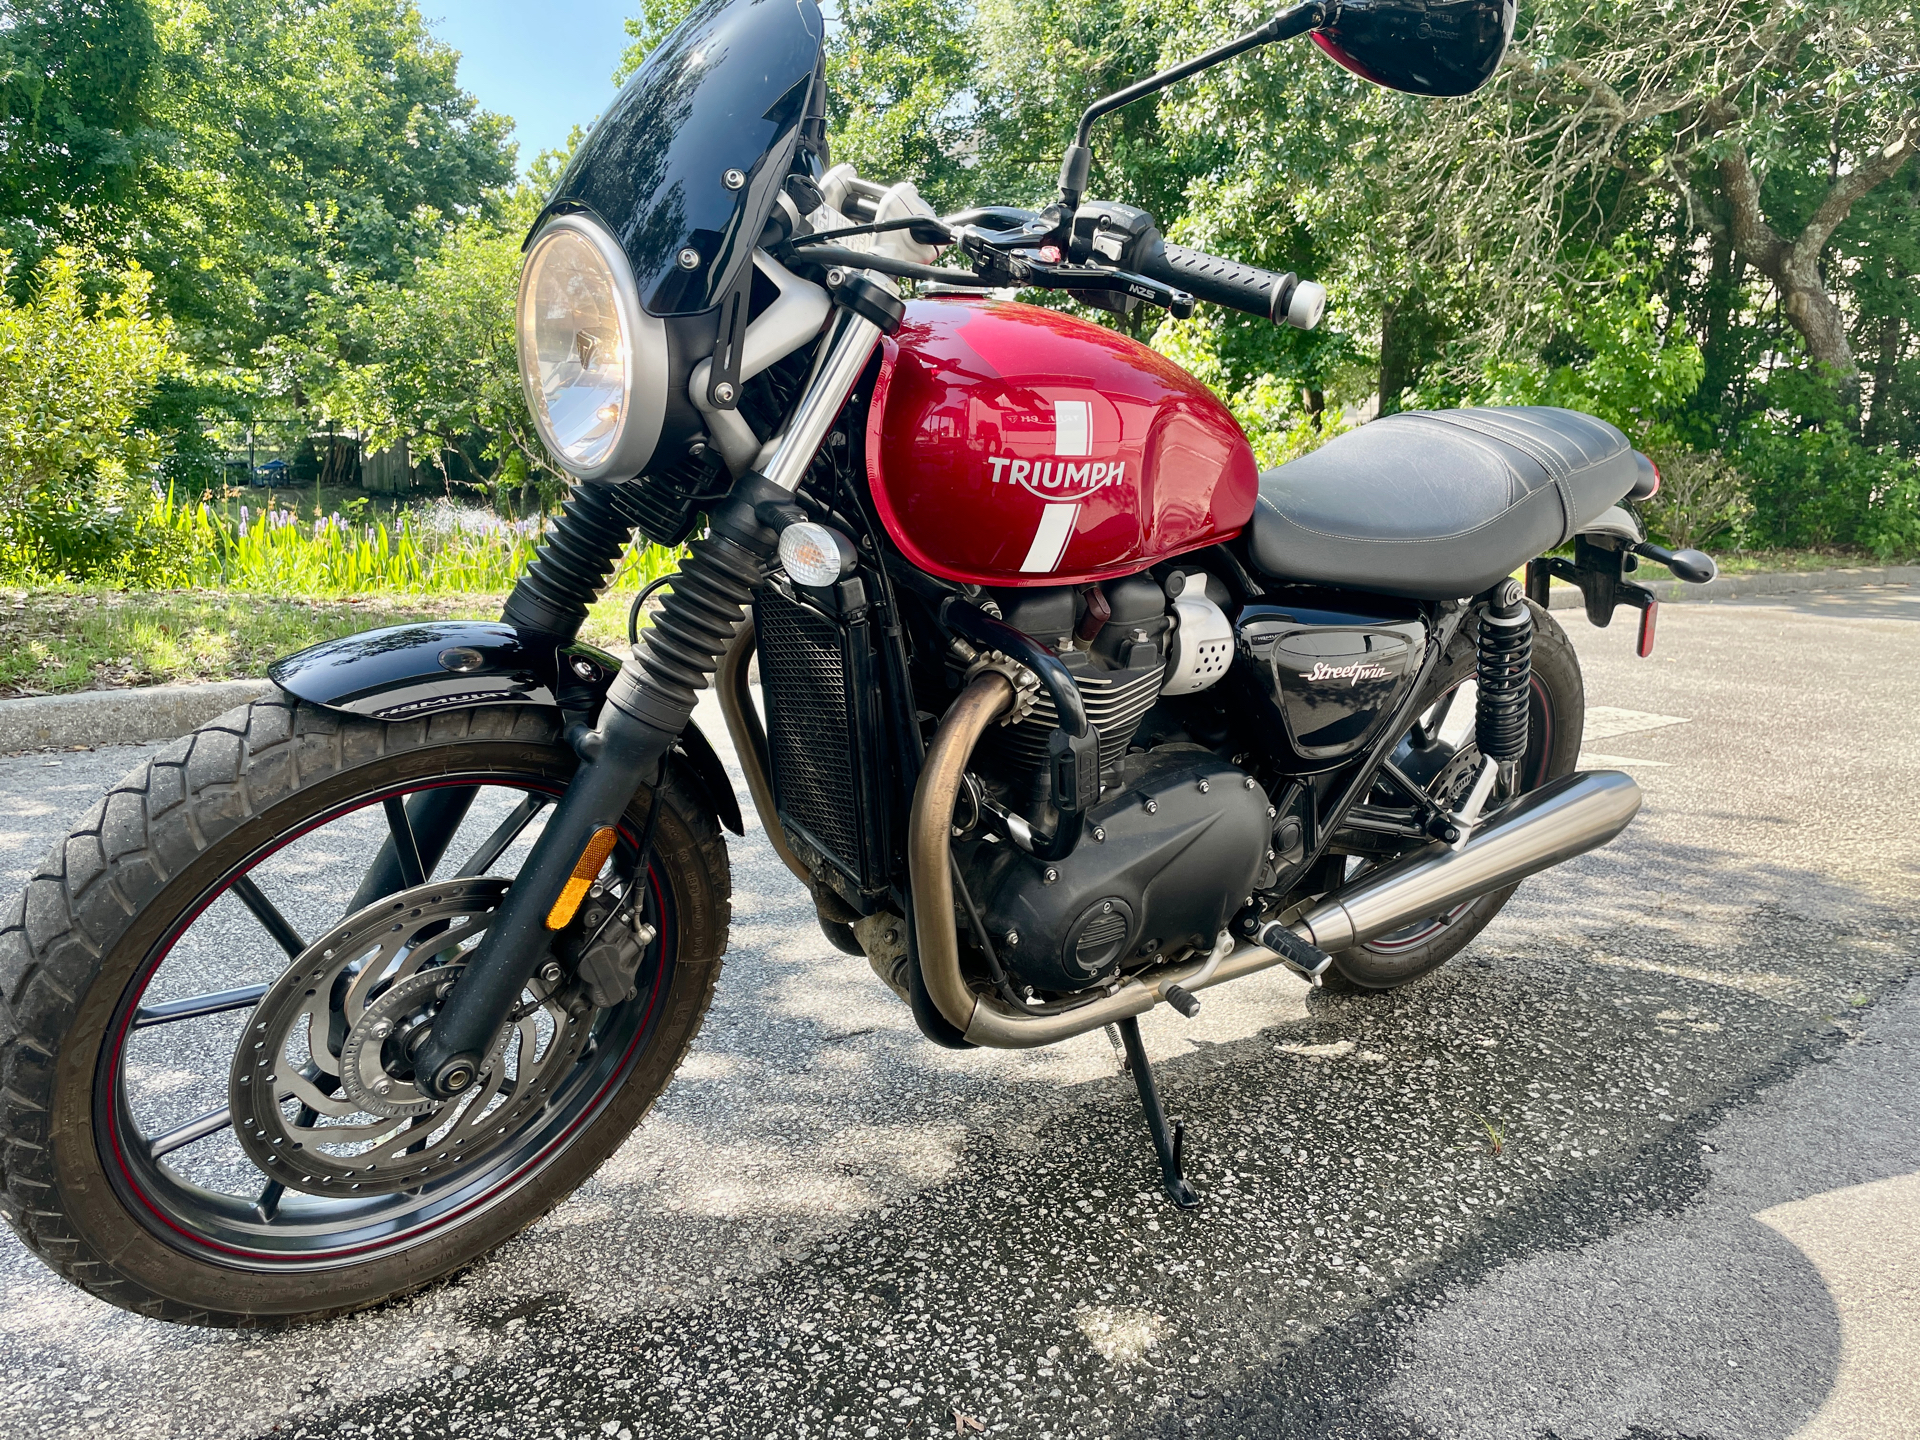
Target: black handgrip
x=1223, y=282
x=1283, y=299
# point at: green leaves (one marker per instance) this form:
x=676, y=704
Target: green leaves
x=75, y=371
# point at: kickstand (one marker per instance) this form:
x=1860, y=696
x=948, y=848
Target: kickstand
x=1167, y=1141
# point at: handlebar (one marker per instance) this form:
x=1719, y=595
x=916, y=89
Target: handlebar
x=1283, y=299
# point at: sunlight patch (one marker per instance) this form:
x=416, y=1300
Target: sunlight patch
x=1772, y=985
x=1121, y=1335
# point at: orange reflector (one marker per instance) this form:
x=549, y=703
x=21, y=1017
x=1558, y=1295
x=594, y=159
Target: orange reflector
x=584, y=872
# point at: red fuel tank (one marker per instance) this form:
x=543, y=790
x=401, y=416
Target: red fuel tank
x=1010, y=445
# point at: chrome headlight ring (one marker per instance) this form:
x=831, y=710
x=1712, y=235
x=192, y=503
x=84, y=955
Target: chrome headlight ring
x=593, y=363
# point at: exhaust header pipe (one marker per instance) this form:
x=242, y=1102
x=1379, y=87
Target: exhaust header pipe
x=1562, y=819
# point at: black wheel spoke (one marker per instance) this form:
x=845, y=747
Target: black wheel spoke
x=268, y=914
x=211, y=1123
x=405, y=848
x=432, y=819
x=504, y=834
x=181, y=1151
x=268, y=1205
x=194, y=1006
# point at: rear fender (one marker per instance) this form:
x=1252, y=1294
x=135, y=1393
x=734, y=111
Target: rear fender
x=406, y=671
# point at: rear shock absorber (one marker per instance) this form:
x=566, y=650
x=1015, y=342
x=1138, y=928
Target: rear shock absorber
x=1505, y=677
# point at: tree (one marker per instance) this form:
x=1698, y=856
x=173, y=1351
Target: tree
x=1765, y=124
x=657, y=20
x=74, y=121
x=308, y=143
x=432, y=361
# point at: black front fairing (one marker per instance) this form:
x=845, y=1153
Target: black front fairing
x=726, y=91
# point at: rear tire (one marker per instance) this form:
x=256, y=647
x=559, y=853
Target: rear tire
x=1557, y=721
x=113, y=902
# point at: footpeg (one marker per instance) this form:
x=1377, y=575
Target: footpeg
x=1304, y=958
x=1169, y=1141
x=1184, y=1001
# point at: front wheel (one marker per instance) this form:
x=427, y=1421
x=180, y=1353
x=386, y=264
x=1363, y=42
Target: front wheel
x=1440, y=749
x=205, y=1113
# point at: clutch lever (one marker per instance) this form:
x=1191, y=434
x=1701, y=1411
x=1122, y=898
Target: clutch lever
x=1176, y=302
x=1022, y=267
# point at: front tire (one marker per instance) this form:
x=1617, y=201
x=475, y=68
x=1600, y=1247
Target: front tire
x=1556, y=722
x=150, y=895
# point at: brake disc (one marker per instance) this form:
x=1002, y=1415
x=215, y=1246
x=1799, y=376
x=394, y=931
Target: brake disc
x=321, y=1090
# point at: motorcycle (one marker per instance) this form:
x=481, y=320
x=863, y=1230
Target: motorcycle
x=1069, y=711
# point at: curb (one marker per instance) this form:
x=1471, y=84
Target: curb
x=1745, y=587
x=118, y=717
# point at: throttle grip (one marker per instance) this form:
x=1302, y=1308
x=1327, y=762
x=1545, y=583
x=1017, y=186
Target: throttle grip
x=1283, y=299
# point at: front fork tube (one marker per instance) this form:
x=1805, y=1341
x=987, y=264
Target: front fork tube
x=647, y=707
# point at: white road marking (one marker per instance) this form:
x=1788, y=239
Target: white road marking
x=1606, y=721
x=1073, y=427
x=1589, y=758
x=1050, y=540
x=1865, y=1242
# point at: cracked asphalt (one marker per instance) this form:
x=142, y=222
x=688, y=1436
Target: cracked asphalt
x=1644, y=1162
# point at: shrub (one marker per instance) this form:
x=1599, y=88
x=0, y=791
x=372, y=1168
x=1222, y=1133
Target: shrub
x=74, y=374
x=1817, y=485
x=1702, y=497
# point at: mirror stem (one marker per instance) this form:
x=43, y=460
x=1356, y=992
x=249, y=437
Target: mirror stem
x=1078, y=164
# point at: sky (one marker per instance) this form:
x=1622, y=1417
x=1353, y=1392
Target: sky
x=549, y=65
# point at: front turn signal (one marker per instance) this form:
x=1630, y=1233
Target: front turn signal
x=585, y=869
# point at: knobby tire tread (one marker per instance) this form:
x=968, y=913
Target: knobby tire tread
x=149, y=827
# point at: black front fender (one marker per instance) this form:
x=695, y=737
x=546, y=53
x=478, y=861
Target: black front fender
x=406, y=671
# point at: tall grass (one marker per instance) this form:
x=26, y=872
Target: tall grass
x=437, y=550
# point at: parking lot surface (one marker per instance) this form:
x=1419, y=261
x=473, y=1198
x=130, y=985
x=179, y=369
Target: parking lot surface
x=1644, y=1162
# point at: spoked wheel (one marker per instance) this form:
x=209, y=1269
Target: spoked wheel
x=1439, y=753
x=218, y=982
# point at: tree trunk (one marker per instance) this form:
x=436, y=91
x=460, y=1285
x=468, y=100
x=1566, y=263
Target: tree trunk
x=1886, y=371
x=1794, y=265
x=1811, y=310
x=1407, y=335
x=1723, y=289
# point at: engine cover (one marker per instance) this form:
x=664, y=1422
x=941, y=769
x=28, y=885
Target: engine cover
x=1185, y=836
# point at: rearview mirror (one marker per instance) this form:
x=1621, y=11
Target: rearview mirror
x=1424, y=47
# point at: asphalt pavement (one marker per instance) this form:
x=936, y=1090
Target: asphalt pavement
x=1643, y=1164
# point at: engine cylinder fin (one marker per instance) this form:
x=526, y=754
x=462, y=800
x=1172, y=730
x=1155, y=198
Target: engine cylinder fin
x=1115, y=703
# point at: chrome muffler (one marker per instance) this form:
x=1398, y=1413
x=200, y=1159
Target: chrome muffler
x=1562, y=819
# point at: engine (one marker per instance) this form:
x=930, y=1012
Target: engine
x=1179, y=835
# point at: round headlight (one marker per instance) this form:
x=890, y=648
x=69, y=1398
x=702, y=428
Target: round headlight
x=582, y=336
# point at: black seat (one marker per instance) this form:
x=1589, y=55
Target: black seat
x=1438, y=504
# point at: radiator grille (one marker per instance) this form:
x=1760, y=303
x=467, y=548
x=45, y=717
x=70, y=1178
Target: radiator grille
x=809, y=737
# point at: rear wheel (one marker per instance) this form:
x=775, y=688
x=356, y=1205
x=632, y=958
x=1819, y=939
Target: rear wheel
x=1440, y=749
x=205, y=1104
